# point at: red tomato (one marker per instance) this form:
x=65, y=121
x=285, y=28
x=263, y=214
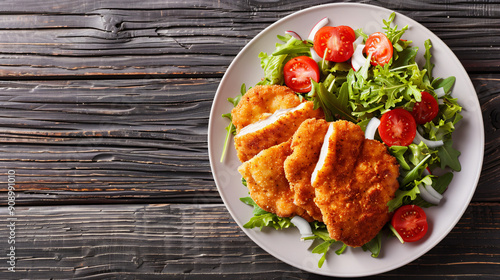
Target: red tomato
x=298, y=73
x=336, y=41
x=410, y=222
x=425, y=110
x=397, y=128
x=380, y=47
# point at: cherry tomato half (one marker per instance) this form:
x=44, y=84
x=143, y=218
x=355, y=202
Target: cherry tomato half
x=410, y=222
x=397, y=128
x=425, y=110
x=298, y=73
x=336, y=41
x=380, y=47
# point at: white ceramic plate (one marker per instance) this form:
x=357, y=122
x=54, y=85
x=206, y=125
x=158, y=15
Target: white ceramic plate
x=286, y=245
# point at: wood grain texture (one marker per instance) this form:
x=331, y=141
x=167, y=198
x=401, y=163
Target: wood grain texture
x=78, y=38
x=88, y=141
x=202, y=242
x=104, y=108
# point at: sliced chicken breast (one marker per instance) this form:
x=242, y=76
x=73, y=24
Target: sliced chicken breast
x=275, y=129
x=261, y=101
x=266, y=181
x=299, y=166
x=353, y=182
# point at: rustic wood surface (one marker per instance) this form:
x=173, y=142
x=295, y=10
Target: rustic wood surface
x=104, y=109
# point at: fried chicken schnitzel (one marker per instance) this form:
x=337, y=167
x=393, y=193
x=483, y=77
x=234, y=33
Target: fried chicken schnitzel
x=353, y=181
x=267, y=184
x=299, y=166
x=295, y=163
x=261, y=101
x=275, y=129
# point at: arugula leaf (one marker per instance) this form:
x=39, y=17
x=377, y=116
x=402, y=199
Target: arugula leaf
x=395, y=233
x=359, y=32
x=392, y=33
x=256, y=208
x=440, y=184
x=263, y=218
x=398, y=152
x=374, y=245
x=405, y=57
x=341, y=250
x=449, y=156
x=427, y=55
x=323, y=249
x=401, y=198
x=231, y=129
x=415, y=172
x=332, y=104
x=446, y=84
x=319, y=230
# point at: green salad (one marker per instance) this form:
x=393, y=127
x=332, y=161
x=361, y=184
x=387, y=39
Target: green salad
x=374, y=81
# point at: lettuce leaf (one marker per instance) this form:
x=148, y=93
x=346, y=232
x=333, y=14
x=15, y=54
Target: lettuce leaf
x=428, y=66
x=402, y=197
x=333, y=106
x=263, y=218
x=398, y=152
x=449, y=156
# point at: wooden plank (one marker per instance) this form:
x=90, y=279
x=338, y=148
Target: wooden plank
x=202, y=242
x=121, y=140
x=81, y=38
x=82, y=141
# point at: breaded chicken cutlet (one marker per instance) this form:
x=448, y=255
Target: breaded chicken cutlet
x=259, y=127
x=261, y=101
x=353, y=181
x=299, y=166
x=267, y=183
x=295, y=163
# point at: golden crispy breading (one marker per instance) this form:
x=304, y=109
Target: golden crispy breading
x=261, y=101
x=373, y=185
x=306, y=146
x=355, y=183
x=266, y=181
x=273, y=130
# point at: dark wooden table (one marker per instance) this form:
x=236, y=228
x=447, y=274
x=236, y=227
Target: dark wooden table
x=104, y=108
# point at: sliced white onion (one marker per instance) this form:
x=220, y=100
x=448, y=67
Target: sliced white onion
x=371, y=128
x=324, y=21
x=429, y=143
x=439, y=92
x=321, y=23
x=303, y=226
x=427, y=196
x=358, y=59
x=433, y=192
x=293, y=34
x=440, y=101
x=358, y=41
